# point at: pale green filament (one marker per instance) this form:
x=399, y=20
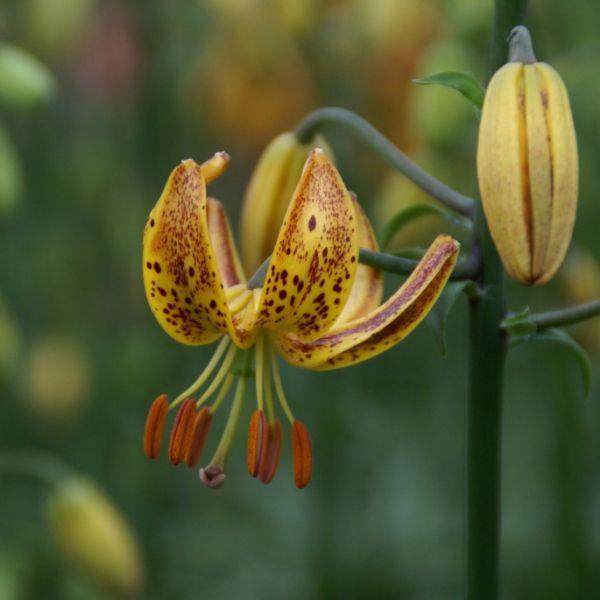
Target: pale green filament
x=259, y=367
x=221, y=373
x=220, y=456
x=222, y=393
x=268, y=390
x=279, y=389
x=210, y=367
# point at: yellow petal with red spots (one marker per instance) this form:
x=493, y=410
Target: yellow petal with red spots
x=367, y=289
x=181, y=271
x=381, y=329
x=314, y=262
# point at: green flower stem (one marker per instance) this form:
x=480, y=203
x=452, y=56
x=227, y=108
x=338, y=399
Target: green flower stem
x=486, y=373
x=566, y=316
x=373, y=138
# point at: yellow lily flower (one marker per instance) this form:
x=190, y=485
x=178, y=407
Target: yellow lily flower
x=317, y=307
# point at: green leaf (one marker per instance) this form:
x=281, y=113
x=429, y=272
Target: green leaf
x=410, y=213
x=519, y=323
x=565, y=340
x=11, y=175
x=438, y=315
x=464, y=83
x=24, y=80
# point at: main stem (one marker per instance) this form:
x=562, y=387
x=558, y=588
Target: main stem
x=486, y=372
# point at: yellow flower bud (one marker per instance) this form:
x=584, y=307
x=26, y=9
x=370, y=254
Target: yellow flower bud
x=527, y=164
x=94, y=535
x=269, y=193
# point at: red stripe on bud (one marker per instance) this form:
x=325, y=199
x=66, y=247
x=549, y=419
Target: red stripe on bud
x=155, y=426
x=302, y=450
x=200, y=430
x=181, y=434
x=257, y=441
x=270, y=457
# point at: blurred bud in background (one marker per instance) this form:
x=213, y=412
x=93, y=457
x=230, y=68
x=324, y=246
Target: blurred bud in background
x=268, y=194
x=58, y=378
x=249, y=84
x=24, y=81
x=55, y=27
x=10, y=343
x=13, y=573
x=94, y=536
x=11, y=176
x=580, y=279
x=110, y=58
x=400, y=33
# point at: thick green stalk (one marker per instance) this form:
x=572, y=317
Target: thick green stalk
x=486, y=372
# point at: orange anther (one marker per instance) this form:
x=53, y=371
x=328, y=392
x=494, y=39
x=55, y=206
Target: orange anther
x=270, y=457
x=200, y=429
x=302, y=450
x=257, y=441
x=155, y=425
x=181, y=434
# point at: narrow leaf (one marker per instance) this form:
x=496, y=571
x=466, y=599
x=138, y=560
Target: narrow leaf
x=565, y=340
x=464, y=83
x=410, y=213
x=438, y=315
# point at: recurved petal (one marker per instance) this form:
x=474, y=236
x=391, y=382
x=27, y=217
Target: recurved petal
x=314, y=262
x=221, y=238
x=367, y=289
x=181, y=274
x=381, y=329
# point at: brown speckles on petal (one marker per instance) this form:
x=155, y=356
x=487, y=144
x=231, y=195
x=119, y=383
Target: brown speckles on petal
x=313, y=253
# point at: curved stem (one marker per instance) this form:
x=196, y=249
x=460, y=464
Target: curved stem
x=566, y=316
x=465, y=269
x=314, y=121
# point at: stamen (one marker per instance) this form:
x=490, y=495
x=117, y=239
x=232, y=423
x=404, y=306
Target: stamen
x=270, y=457
x=267, y=385
x=200, y=431
x=210, y=367
x=239, y=303
x=279, y=389
x=155, y=426
x=234, y=291
x=302, y=450
x=221, y=373
x=222, y=393
x=181, y=434
x=259, y=369
x=213, y=475
x=257, y=441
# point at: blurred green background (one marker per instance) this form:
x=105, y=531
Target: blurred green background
x=98, y=101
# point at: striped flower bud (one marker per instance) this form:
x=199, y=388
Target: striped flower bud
x=527, y=164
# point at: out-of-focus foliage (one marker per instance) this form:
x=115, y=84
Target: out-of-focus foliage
x=141, y=85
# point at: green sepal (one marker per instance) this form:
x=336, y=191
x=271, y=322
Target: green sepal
x=464, y=83
x=410, y=213
x=438, y=315
x=519, y=323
